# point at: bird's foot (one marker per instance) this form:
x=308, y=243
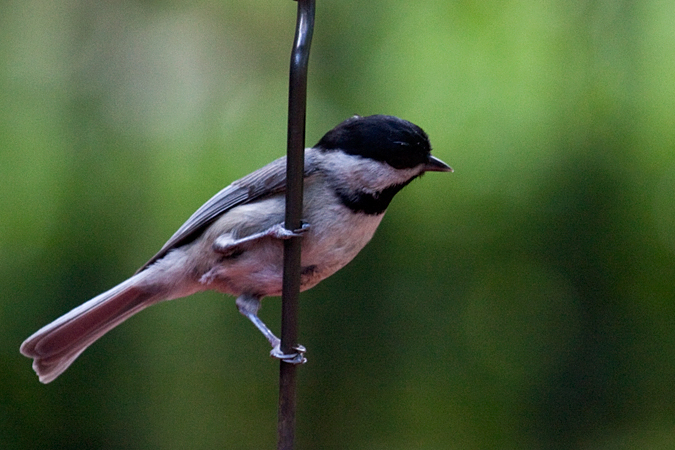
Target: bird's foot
x=279, y=231
x=292, y=358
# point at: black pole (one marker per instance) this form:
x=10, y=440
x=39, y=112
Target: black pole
x=297, y=101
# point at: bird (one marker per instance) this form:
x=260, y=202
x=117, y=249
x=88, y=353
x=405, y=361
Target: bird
x=234, y=242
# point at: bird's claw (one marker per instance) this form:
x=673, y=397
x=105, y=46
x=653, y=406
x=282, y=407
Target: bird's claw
x=280, y=232
x=304, y=227
x=291, y=358
x=285, y=233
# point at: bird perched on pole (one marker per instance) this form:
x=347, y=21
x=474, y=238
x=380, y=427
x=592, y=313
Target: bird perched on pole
x=233, y=243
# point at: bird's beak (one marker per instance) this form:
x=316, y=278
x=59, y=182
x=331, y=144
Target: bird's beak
x=436, y=165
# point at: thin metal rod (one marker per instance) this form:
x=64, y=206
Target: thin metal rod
x=297, y=101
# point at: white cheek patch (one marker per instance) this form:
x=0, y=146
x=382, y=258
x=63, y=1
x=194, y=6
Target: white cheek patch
x=364, y=174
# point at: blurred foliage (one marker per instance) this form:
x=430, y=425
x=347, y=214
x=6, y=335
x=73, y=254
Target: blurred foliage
x=525, y=301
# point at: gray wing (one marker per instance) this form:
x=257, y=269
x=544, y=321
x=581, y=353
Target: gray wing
x=268, y=180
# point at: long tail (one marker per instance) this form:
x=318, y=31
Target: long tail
x=54, y=347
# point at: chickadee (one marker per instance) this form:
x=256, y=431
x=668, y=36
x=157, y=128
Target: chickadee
x=233, y=243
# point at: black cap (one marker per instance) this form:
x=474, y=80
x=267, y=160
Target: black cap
x=397, y=142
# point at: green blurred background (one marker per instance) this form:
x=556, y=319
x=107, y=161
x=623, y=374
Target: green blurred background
x=523, y=302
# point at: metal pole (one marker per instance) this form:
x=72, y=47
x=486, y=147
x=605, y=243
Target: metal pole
x=297, y=101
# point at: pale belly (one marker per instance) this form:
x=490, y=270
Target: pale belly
x=334, y=238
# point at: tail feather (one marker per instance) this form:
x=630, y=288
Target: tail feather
x=55, y=346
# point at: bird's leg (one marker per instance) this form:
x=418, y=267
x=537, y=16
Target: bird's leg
x=249, y=305
x=227, y=245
